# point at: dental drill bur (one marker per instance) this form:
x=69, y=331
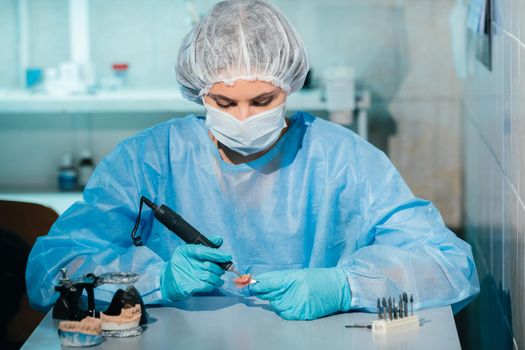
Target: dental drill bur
x=379, y=310
x=405, y=302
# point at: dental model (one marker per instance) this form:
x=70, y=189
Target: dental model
x=86, y=332
x=244, y=281
x=129, y=318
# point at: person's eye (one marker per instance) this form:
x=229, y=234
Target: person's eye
x=224, y=104
x=262, y=103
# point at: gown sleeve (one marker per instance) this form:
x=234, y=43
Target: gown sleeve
x=405, y=246
x=94, y=235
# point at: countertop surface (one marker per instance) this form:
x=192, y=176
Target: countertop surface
x=248, y=323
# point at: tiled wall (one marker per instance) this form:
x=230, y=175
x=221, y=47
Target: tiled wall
x=395, y=47
x=494, y=161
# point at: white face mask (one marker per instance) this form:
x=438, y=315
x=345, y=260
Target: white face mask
x=246, y=137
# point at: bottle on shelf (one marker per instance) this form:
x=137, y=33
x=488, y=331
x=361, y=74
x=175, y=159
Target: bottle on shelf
x=120, y=72
x=85, y=168
x=67, y=174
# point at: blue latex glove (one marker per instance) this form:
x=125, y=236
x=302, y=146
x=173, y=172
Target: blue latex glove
x=193, y=269
x=304, y=294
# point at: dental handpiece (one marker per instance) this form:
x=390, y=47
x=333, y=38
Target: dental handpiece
x=189, y=234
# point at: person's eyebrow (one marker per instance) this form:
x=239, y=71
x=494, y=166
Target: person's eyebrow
x=229, y=100
x=221, y=97
x=265, y=94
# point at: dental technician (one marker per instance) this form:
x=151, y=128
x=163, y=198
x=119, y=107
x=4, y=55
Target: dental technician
x=317, y=215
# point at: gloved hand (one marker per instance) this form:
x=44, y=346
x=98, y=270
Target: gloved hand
x=304, y=294
x=192, y=269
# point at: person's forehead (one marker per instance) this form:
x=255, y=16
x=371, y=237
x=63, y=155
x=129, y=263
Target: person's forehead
x=242, y=89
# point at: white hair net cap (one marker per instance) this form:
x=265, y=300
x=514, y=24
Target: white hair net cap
x=248, y=40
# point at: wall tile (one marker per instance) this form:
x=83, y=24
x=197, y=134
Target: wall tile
x=503, y=119
x=383, y=65
x=43, y=141
x=423, y=127
x=503, y=10
x=486, y=99
x=49, y=32
x=508, y=238
x=516, y=107
x=498, y=83
x=508, y=90
x=484, y=222
x=423, y=19
x=516, y=19
x=521, y=21
x=108, y=129
x=496, y=241
x=171, y=21
x=518, y=277
x=122, y=36
x=470, y=197
x=520, y=129
x=8, y=32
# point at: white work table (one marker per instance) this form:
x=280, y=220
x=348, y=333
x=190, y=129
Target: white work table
x=247, y=323
x=58, y=201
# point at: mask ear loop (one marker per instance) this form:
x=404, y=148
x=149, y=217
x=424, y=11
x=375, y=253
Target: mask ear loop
x=137, y=239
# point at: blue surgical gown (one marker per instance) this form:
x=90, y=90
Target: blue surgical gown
x=321, y=197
